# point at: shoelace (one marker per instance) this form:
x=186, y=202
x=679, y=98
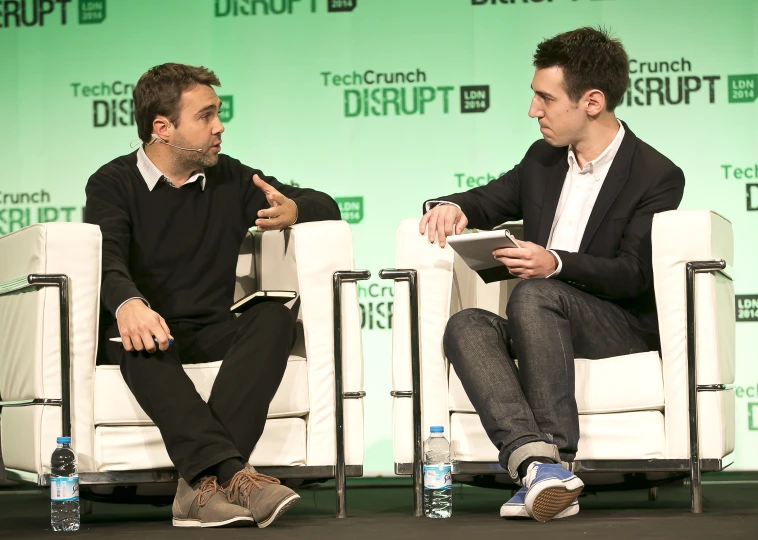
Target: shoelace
x=243, y=483
x=209, y=486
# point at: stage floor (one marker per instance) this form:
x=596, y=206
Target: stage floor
x=382, y=509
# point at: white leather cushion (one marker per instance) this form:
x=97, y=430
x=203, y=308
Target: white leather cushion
x=126, y=448
x=632, y=435
x=30, y=319
x=304, y=258
x=435, y=278
x=116, y=405
x=28, y=438
x=632, y=382
x=680, y=236
x=715, y=423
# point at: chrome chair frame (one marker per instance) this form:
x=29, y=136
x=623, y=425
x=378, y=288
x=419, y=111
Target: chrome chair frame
x=339, y=471
x=677, y=467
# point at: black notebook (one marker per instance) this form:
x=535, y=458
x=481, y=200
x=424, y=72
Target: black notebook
x=262, y=296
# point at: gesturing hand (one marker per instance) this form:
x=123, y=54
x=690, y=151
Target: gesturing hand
x=283, y=211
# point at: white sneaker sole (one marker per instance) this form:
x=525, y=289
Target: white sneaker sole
x=519, y=511
x=281, y=509
x=239, y=521
x=548, y=498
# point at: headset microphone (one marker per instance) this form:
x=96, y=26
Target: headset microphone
x=161, y=141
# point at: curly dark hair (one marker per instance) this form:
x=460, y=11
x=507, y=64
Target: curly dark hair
x=590, y=58
x=159, y=90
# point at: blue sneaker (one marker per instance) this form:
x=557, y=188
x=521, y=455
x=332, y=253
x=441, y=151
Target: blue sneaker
x=551, y=490
x=515, y=507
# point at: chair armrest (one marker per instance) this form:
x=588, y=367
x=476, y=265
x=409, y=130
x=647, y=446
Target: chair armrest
x=30, y=321
x=304, y=258
x=435, y=284
x=678, y=237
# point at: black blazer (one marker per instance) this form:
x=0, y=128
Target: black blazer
x=614, y=261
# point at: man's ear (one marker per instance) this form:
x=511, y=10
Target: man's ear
x=593, y=102
x=162, y=127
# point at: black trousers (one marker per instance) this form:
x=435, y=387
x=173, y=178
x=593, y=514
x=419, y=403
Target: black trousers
x=254, y=348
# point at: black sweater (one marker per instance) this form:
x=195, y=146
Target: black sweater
x=178, y=248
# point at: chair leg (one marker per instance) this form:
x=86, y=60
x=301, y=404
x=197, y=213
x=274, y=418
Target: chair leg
x=652, y=494
x=340, y=486
x=85, y=507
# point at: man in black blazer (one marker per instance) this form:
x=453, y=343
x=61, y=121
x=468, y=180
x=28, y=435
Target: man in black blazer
x=587, y=195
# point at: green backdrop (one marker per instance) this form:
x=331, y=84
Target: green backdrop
x=382, y=104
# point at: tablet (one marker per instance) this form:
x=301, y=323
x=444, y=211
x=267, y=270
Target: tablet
x=476, y=251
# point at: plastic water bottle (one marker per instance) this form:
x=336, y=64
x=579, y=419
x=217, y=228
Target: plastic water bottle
x=438, y=477
x=64, y=488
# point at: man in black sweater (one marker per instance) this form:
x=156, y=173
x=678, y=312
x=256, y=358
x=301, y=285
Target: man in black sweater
x=173, y=215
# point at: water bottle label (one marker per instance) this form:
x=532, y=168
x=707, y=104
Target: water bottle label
x=65, y=488
x=438, y=476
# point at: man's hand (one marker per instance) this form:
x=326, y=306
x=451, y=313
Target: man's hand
x=138, y=324
x=442, y=220
x=528, y=261
x=283, y=211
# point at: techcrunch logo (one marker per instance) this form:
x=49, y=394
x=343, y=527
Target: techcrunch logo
x=19, y=210
x=507, y=2
x=743, y=88
x=749, y=172
x=749, y=392
x=351, y=208
x=376, y=301
x=401, y=93
x=746, y=308
x=464, y=180
x=113, y=112
x=504, y=2
x=112, y=104
x=235, y=8
x=25, y=13
x=650, y=83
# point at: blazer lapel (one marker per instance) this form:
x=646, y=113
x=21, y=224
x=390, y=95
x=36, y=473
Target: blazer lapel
x=612, y=185
x=553, y=187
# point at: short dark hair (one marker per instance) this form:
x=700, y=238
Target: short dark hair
x=159, y=90
x=590, y=58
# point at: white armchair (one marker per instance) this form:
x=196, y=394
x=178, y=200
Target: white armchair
x=308, y=435
x=644, y=418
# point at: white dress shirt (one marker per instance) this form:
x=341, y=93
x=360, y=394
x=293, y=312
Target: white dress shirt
x=578, y=195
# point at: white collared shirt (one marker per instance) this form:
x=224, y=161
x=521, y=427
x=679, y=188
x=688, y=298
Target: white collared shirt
x=578, y=195
x=152, y=174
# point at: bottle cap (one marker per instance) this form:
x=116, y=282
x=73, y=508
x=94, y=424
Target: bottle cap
x=437, y=429
x=63, y=440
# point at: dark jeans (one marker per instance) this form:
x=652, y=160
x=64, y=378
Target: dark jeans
x=530, y=410
x=254, y=347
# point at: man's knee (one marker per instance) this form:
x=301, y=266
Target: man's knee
x=275, y=318
x=280, y=315
x=463, y=326
x=534, y=294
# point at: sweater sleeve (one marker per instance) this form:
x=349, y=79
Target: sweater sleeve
x=107, y=207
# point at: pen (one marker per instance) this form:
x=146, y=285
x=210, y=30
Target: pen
x=119, y=340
